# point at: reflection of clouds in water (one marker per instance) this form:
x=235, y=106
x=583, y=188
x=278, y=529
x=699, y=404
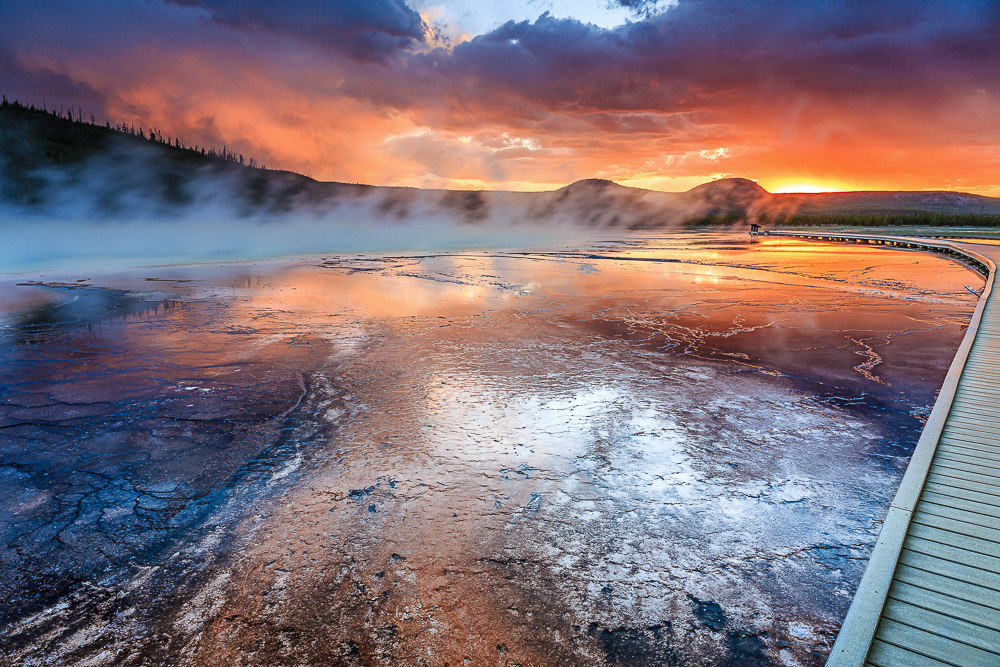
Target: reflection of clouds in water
x=630, y=495
x=520, y=436
x=512, y=414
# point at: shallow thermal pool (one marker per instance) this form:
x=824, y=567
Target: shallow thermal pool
x=656, y=449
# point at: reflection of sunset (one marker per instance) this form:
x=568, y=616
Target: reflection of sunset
x=629, y=420
x=421, y=429
x=467, y=284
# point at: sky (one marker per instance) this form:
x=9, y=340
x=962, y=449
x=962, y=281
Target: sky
x=536, y=94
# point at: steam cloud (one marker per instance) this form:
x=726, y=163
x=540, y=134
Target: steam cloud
x=136, y=204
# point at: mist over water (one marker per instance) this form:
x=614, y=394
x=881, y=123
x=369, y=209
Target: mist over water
x=33, y=244
x=649, y=449
x=135, y=204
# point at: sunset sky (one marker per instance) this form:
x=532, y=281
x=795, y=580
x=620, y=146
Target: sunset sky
x=535, y=94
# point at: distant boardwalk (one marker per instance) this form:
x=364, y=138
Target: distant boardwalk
x=931, y=592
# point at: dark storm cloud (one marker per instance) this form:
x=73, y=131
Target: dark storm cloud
x=366, y=30
x=639, y=7
x=57, y=89
x=710, y=55
x=840, y=89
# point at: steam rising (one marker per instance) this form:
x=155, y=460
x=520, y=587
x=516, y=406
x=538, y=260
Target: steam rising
x=144, y=204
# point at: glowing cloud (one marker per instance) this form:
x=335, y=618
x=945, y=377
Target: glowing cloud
x=822, y=94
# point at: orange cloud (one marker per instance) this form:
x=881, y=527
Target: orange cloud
x=819, y=93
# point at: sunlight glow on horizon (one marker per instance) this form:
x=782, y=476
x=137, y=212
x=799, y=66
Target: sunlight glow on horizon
x=532, y=95
x=807, y=188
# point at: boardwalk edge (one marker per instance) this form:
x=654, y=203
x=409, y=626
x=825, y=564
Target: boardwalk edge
x=861, y=623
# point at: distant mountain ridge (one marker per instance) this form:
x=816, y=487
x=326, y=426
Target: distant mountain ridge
x=888, y=202
x=50, y=165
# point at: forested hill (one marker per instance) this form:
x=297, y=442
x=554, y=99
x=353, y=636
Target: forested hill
x=64, y=164
x=44, y=155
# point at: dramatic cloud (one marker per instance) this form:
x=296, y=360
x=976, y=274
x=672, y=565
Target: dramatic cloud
x=873, y=95
x=639, y=7
x=367, y=30
x=713, y=57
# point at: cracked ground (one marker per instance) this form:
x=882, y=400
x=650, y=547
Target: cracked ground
x=657, y=450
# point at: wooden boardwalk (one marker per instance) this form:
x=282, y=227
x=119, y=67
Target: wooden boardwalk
x=931, y=592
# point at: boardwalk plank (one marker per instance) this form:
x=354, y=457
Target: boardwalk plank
x=974, y=395
x=982, y=445
x=955, y=451
x=977, y=369
x=948, y=605
x=934, y=581
x=984, y=409
x=965, y=543
x=979, y=459
x=966, y=528
x=986, y=422
x=987, y=413
x=889, y=655
x=963, y=572
x=980, y=412
x=953, y=458
x=991, y=520
x=987, y=387
x=963, y=424
x=976, y=474
x=953, y=553
x=959, y=631
x=979, y=361
x=932, y=645
x=985, y=451
x=963, y=437
x=971, y=385
x=972, y=399
x=978, y=439
x=965, y=485
x=970, y=434
x=964, y=494
x=960, y=504
x=972, y=471
x=971, y=440
x=976, y=374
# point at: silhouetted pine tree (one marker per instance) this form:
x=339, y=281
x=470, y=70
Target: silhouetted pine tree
x=129, y=129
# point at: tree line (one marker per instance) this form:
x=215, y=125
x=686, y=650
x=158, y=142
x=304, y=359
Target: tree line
x=895, y=219
x=901, y=219
x=152, y=135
